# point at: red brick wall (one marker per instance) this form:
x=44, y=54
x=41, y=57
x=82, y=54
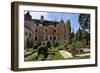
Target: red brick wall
x=60, y=31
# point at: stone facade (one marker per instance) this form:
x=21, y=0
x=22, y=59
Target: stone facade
x=28, y=33
x=44, y=30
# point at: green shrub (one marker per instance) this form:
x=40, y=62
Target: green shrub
x=48, y=44
x=43, y=43
x=42, y=50
x=35, y=46
x=26, y=55
x=72, y=48
x=56, y=44
x=39, y=43
x=65, y=45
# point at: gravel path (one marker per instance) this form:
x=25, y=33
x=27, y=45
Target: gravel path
x=83, y=54
x=65, y=54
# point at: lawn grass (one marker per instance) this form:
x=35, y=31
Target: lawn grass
x=57, y=56
x=60, y=46
x=53, y=50
x=29, y=52
x=29, y=49
x=30, y=58
x=79, y=57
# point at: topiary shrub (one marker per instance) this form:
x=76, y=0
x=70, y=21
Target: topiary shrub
x=39, y=43
x=48, y=44
x=35, y=46
x=42, y=50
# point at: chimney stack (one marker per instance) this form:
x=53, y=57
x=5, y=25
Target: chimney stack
x=42, y=18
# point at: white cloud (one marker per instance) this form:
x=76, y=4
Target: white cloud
x=37, y=15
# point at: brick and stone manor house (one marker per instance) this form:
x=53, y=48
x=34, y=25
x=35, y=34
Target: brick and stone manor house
x=40, y=30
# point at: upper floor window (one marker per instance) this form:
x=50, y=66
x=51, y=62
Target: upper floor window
x=54, y=31
x=36, y=24
x=36, y=30
x=55, y=25
x=46, y=30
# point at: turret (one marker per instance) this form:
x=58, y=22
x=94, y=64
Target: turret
x=27, y=17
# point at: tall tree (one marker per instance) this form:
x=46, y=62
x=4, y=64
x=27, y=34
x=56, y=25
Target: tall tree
x=68, y=30
x=78, y=35
x=84, y=20
x=86, y=36
x=72, y=34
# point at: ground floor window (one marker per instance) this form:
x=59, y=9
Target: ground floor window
x=50, y=37
x=35, y=38
x=55, y=37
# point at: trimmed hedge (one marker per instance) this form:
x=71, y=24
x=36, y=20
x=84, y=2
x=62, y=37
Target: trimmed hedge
x=26, y=55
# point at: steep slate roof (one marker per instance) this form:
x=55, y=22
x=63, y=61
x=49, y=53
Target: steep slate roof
x=28, y=17
x=45, y=23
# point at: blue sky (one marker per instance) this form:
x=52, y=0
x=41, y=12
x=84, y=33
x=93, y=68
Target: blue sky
x=73, y=17
x=52, y=16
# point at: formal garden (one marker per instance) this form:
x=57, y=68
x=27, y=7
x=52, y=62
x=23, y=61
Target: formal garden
x=43, y=52
x=76, y=46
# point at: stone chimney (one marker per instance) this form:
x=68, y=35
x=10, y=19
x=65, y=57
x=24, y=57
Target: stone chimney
x=42, y=18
